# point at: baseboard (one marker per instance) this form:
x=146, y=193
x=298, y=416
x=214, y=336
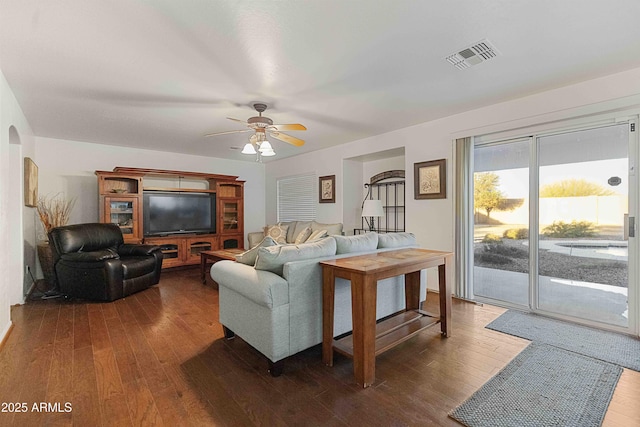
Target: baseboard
x=5, y=334
x=468, y=300
x=29, y=292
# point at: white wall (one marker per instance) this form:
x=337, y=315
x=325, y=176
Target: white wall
x=69, y=167
x=375, y=167
x=432, y=220
x=352, y=187
x=16, y=141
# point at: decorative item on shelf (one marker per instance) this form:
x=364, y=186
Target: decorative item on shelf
x=53, y=212
x=327, y=187
x=119, y=190
x=430, y=179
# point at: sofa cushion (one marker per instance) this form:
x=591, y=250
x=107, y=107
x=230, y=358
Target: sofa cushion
x=332, y=229
x=396, y=240
x=316, y=235
x=302, y=236
x=249, y=257
x=273, y=258
x=254, y=238
x=360, y=243
x=277, y=232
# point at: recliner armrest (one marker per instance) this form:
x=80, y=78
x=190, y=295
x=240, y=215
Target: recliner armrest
x=94, y=256
x=137, y=250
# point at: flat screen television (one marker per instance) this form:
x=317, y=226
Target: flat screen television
x=176, y=213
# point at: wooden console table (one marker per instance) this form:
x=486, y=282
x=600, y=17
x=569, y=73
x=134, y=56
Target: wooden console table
x=215, y=256
x=368, y=338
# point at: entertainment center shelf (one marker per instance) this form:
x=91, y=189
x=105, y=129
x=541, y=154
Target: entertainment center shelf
x=179, y=190
x=122, y=197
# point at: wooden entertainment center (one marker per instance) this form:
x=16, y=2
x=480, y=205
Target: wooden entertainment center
x=121, y=193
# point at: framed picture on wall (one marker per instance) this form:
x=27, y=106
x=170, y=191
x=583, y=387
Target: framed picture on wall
x=30, y=183
x=430, y=179
x=327, y=187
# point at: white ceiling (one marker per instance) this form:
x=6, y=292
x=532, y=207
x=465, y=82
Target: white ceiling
x=160, y=74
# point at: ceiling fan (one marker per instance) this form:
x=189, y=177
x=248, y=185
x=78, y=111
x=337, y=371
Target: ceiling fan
x=263, y=126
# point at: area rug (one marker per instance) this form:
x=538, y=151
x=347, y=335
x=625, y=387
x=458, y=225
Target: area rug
x=543, y=386
x=610, y=347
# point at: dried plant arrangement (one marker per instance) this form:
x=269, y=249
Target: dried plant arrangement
x=54, y=211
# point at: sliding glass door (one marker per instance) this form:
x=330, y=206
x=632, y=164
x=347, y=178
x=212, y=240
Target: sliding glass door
x=501, y=221
x=583, y=204
x=551, y=223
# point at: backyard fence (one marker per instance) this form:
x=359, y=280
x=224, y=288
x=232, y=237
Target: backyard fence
x=600, y=210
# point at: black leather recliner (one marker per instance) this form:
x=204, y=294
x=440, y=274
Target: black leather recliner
x=92, y=262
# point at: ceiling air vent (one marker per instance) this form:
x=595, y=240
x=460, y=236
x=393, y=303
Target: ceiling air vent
x=473, y=55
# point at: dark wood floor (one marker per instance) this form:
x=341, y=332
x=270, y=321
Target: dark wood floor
x=159, y=358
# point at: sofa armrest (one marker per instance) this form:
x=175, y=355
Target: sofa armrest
x=255, y=238
x=262, y=287
x=137, y=250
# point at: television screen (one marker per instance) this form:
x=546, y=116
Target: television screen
x=169, y=213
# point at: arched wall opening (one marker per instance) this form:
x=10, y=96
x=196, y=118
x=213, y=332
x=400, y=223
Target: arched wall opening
x=15, y=231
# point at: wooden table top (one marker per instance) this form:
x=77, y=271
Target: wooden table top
x=224, y=253
x=380, y=261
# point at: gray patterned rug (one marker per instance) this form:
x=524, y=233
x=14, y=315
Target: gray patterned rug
x=543, y=386
x=610, y=347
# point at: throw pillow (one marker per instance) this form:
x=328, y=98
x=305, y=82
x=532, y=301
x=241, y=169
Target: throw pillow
x=273, y=258
x=360, y=243
x=317, y=235
x=295, y=228
x=277, y=232
x=249, y=257
x=303, y=236
x=332, y=229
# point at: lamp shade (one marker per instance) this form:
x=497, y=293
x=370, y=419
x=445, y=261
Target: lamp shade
x=248, y=149
x=265, y=146
x=372, y=208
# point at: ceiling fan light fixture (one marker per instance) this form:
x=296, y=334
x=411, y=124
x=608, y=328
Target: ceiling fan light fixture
x=265, y=146
x=262, y=125
x=248, y=149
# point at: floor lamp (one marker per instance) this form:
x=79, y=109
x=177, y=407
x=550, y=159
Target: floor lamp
x=370, y=209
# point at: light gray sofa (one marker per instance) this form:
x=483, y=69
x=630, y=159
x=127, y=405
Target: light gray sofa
x=294, y=228
x=276, y=306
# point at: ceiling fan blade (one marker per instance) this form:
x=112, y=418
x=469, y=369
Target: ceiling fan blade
x=294, y=126
x=287, y=138
x=231, y=131
x=237, y=120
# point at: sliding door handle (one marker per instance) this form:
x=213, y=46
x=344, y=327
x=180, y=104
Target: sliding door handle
x=632, y=226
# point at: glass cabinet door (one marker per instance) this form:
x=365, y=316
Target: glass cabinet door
x=230, y=215
x=123, y=213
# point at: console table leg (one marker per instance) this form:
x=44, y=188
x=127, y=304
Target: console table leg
x=203, y=269
x=444, y=288
x=363, y=299
x=412, y=290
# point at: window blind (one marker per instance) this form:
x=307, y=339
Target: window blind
x=297, y=198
